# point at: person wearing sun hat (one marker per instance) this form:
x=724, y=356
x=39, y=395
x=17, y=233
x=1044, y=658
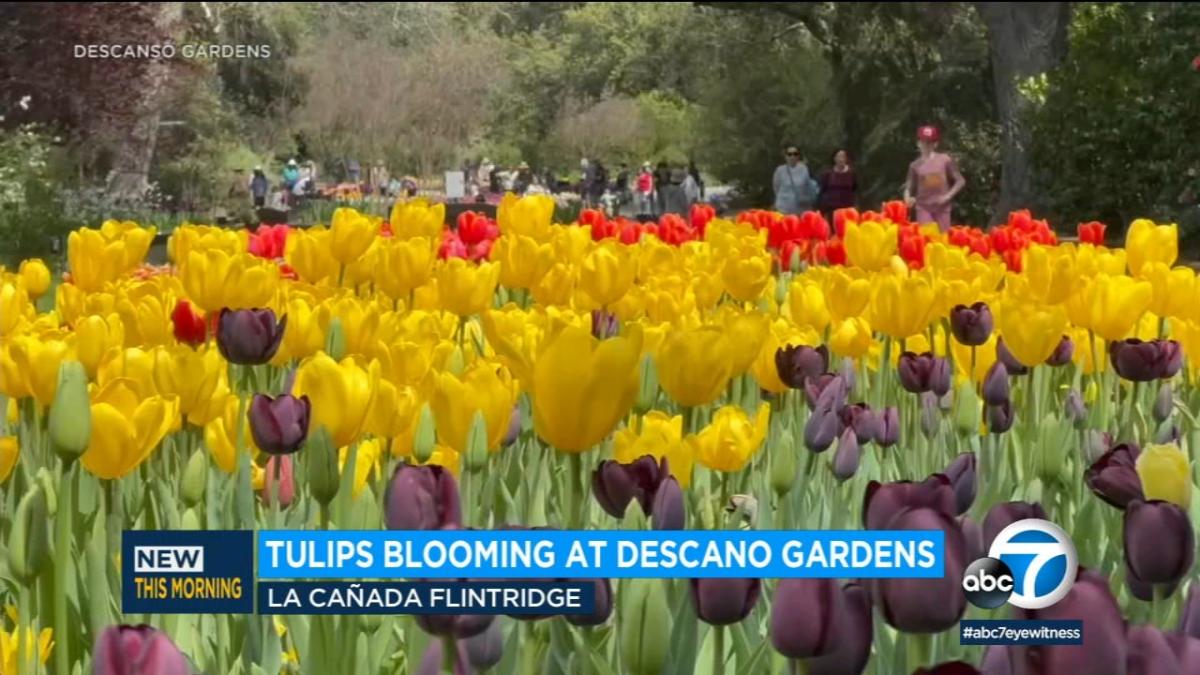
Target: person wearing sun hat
x=933, y=180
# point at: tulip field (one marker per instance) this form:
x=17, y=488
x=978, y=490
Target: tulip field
x=756, y=372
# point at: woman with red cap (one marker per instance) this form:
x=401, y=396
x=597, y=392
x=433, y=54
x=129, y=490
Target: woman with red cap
x=933, y=181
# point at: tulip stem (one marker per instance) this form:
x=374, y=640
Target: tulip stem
x=62, y=559
x=718, y=667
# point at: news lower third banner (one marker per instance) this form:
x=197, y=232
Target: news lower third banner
x=480, y=572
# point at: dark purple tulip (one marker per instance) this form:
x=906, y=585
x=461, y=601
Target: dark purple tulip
x=1063, y=353
x=889, y=427
x=1150, y=653
x=972, y=326
x=995, y=384
x=949, y=668
x=815, y=387
x=485, y=650
x=1164, y=402
x=668, y=511
x=797, y=363
x=961, y=473
x=1189, y=617
x=615, y=484
x=1141, y=361
x=422, y=498
x=1000, y=417
x=1010, y=362
x=920, y=373
x=973, y=535
x=925, y=605
x=432, y=659
x=847, y=455
x=863, y=420
x=1075, y=409
x=855, y=632
x=604, y=324
x=454, y=625
x=1103, y=651
x=604, y=604
x=931, y=415
x=720, y=602
x=514, y=427
x=1114, y=476
x=279, y=425
x=1187, y=650
x=1004, y=514
x=823, y=425
x=882, y=500
x=805, y=615
x=1159, y=541
x=137, y=650
x=249, y=337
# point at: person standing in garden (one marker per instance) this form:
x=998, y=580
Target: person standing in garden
x=645, y=191
x=291, y=174
x=839, y=186
x=378, y=178
x=259, y=185
x=933, y=180
x=795, y=189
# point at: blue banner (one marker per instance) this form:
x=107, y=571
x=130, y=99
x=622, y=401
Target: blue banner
x=592, y=554
x=1017, y=632
x=425, y=597
x=187, y=572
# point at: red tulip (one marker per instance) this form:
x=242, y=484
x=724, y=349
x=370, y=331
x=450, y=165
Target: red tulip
x=912, y=250
x=896, y=211
x=189, y=325
x=452, y=246
x=701, y=215
x=841, y=217
x=269, y=241
x=832, y=252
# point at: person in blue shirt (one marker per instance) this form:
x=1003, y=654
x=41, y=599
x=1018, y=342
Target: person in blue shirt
x=795, y=189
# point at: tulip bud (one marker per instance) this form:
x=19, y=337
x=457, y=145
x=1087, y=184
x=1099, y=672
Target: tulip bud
x=720, y=602
x=822, y=427
x=486, y=649
x=1075, y=409
x=422, y=498
x=1166, y=433
x=604, y=324
x=249, y=337
x=854, y=633
x=920, y=373
x=615, y=485
x=1164, y=402
x=669, y=511
x=1104, y=648
x=49, y=484
x=796, y=363
x=961, y=473
x=889, y=427
x=815, y=388
x=783, y=463
x=883, y=500
x=995, y=384
x=966, y=409
x=322, y=470
x=190, y=521
x=647, y=386
x=1164, y=472
x=1159, y=542
x=477, y=453
x=433, y=659
x=931, y=418
x=972, y=326
x=425, y=438
x=195, y=476
x=1055, y=436
x=804, y=613
x=137, y=650
x=846, y=457
x=1062, y=354
x=28, y=545
x=335, y=340
x=863, y=420
x=645, y=628
x=603, y=605
x=70, y=420
x=459, y=626
x=1113, y=478
x=279, y=425
x=1000, y=417
x=456, y=362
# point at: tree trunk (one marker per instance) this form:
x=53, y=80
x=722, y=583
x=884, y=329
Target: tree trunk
x=131, y=165
x=1025, y=39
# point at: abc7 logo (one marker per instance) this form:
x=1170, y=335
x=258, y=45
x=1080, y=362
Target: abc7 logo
x=1045, y=562
x=987, y=583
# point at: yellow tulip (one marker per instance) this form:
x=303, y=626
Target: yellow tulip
x=72, y=302
x=985, y=356
x=220, y=434
x=210, y=409
x=95, y=336
x=669, y=299
x=308, y=252
x=132, y=364
x=1110, y=305
x=94, y=260
x=1165, y=474
x=608, y=272
x=1146, y=242
x=1031, y=332
x=806, y=304
x=656, y=258
x=1093, y=260
x=146, y=320
x=394, y=410
x=746, y=271
x=214, y=280
x=465, y=288
x=360, y=322
x=515, y=335
x=363, y=269
x=484, y=387
x=901, y=304
x=845, y=291
x=583, y=386
x=10, y=450
x=528, y=216
x=13, y=383
x=404, y=265
x=523, y=260
x=36, y=276
x=304, y=334
x=870, y=245
x=190, y=375
x=747, y=331
x=781, y=334
x=367, y=458
x=1173, y=290
x=188, y=238
x=417, y=218
x=351, y=234
x=1050, y=273
x=37, y=362
x=341, y=393
x=44, y=645
x=15, y=306
x=658, y=435
x=851, y=337
x=126, y=428
x=557, y=286
x=570, y=244
x=1188, y=334
x=695, y=364
x=731, y=439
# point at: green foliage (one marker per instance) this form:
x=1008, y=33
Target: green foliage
x=1115, y=126
x=31, y=212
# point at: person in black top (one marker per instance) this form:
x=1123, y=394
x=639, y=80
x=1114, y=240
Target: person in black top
x=839, y=186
